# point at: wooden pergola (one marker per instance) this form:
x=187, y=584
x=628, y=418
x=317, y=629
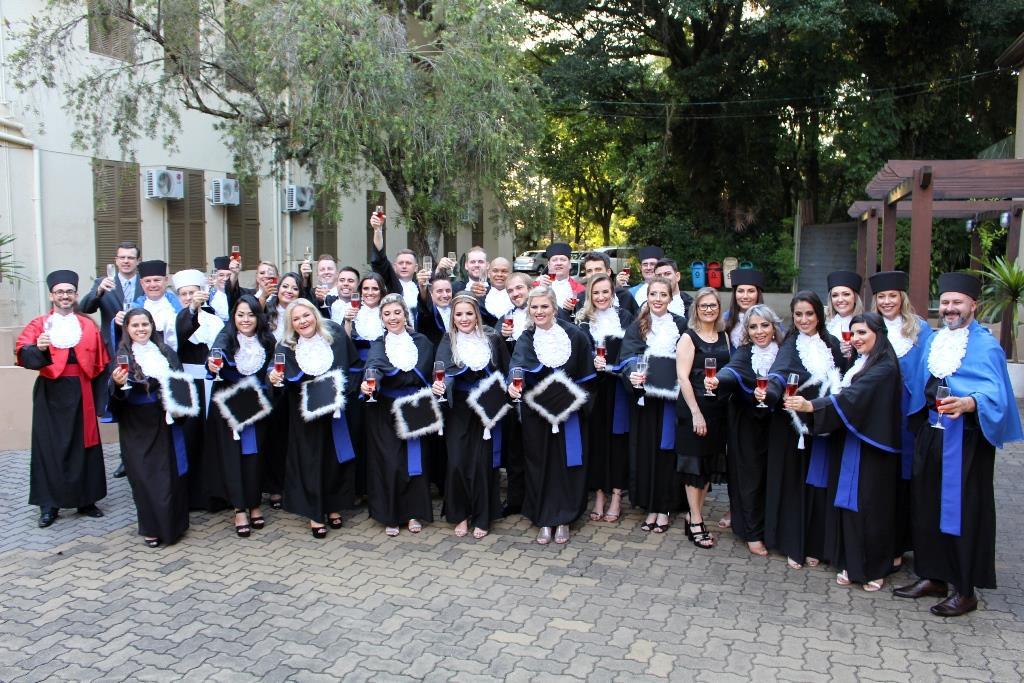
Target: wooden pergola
x=925, y=190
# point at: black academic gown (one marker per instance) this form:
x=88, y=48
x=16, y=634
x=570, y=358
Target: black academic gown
x=233, y=477
x=655, y=484
x=473, y=478
x=608, y=422
x=194, y=428
x=512, y=446
x=865, y=417
x=316, y=482
x=395, y=496
x=795, y=511
x=355, y=413
x=152, y=464
x=747, y=452
x=556, y=493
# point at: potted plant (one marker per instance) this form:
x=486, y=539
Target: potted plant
x=1002, y=294
x=11, y=270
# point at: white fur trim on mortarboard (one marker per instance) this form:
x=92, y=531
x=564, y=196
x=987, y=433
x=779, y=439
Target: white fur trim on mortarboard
x=336, y=406
x=174, y=408
x=559, y=376
x=402, y=427
x=472, y=400
x=221, y=398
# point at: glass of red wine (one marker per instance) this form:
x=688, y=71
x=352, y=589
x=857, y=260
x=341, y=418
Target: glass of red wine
x=370, y=377
x=847, y=335
x=439, y=377
x=762, y=384
x=600, y=349
x=710, y=370
x=517, y=382
x=236, y=253
x=279, y=368
x=355, y=302
x=792, y=384
x=122, y=364
x=941, y=394
x=217, y=358
x=572, y=301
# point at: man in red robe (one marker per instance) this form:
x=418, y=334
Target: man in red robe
x=67, y=456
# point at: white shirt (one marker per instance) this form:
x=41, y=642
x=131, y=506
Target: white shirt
x=562, y=290
x=446, y=316
x=641, y=294
x=677, y=306
x=411, y=294
x=219, y=303
x=165, y=317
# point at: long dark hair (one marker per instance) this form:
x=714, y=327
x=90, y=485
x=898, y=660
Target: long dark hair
x=814, y=300
x=124, y=347
x=263, y=331
x=732, y=317
x=882, y=348
x=272, y=302
x=380, y=283
x=643, y=320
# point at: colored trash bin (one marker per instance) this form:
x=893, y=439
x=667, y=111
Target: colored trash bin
x=697, y=274
x=729, y=264
x=715, y=274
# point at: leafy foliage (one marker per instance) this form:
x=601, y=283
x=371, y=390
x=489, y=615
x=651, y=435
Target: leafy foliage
x=1002, y=294
x=10, y=268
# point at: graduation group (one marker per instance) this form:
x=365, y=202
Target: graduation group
x=859, y=438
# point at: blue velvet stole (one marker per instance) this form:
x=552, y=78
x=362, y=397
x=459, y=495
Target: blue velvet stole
x=668, y=427
x=951, y=496
x=817, y=469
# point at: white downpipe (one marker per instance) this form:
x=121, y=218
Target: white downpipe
x=37, y=210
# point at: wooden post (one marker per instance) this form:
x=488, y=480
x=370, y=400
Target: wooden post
x=921, y=239
x=1013, y=233
x=871, y=240
x=862, y=229
x=888, y=236
x=975, y=249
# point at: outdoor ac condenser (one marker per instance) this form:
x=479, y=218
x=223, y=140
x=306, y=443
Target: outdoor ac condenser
x=165, y=184
x=297, y=198
x=224, y=192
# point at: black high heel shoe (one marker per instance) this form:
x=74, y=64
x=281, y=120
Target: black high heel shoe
x=335, y=522
x=257, y=522
x=275, y=503
x=152, y=542
x=243, y=530
x=318, y=531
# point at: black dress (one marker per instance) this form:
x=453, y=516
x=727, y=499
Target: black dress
x=608, y=422
x=272, y=455
x=747, y=429
x=319, y=464
x=395, y=495
x=863, y=541
x=193, y=359
x=473, y=478
x=556, y=483
x=233, y=467
x=654, y=483
x=701, y=459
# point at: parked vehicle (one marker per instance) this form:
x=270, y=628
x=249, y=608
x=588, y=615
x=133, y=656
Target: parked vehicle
x=619, y=256
x=576, y=264
x=530, y=261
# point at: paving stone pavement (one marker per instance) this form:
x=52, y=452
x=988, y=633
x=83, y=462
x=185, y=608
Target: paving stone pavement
x=85, y=600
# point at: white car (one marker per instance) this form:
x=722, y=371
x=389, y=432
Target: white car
x=530, y=261
x=619, y=256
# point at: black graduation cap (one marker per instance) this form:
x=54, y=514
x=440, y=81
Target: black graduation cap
x=964, y=283
x=845, y=278
x=747, y=276
x=242, y=404
x=417, y=415
x=662, y=381
x=179, y=395
x=62, y=277
x=558, y=249
x=489, y=401
x=889, y=280
x=221, y=262
x=324, y=395
x=151, y=268
x=555, y=398
x=647, y=253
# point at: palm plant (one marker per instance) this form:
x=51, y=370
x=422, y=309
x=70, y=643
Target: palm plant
x=10, y=268
x=1002, y=293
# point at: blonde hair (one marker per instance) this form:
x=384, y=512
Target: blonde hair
x=536, y=293
x=910, y=328
x=693, y=320
x=588, y=309
x=291, y=337
x=464, y=298
x=858, y=305
x=396, y=299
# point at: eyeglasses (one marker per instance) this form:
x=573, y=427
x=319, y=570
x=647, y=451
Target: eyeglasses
x=707, y=307
x=64, y=292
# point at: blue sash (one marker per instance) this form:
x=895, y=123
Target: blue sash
x=496, y=447
x=817, y=469
x=620, y=413
x=907, y=440
x=848, y=490
x=668, y=427
x=249, y=440
x=343, y=449
x=573, y=442
x=951, y=498
x=413, y=447
x=180, y=452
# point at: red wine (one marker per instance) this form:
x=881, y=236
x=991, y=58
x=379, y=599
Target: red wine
x=508, y=322
x=279, y=368
x=709, y=373
x=600, y=351
x=518, y=383
x=847, y=336
x=438, y=375
x=762, y=383
x=355, y=304
x=572, y=301
x=371, y=384
x=791, y=389
x=217, y=362
x=122, y=366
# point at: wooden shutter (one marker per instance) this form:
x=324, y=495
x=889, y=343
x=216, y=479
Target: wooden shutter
x=373, y=200
x=110, y=35
x=244, y=222
x=180, y=21
x=186, y=226
x=325, y=222
x=117, y=209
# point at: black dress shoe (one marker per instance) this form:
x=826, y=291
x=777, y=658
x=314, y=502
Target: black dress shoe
x=90, y=511
x=47, y=516
x=955, y=605
x=119, y=472
x=922, y=588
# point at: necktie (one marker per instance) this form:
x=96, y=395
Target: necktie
x=128, y=290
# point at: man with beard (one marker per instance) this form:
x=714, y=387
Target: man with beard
x=67, y=456
x=953, y=515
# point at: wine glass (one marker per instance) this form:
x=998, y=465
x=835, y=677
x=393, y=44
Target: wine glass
x=279, y=368
x=111, y=270
x=370, y=377
x=217, y=358
x=792, y=384
x=762, y=384
x=439, y=377
x=454, y=259
x=941, y=394
x=710, y=370
x=517, y=382
x=122, y=364
x=600, y=349
x=236, y=253
x=355, y=302
x=428, y=264
x=641, y=369
x=308, y=254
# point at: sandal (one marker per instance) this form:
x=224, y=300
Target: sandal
x=479, y=533
x=813, y=561
x=726, y=521
x=242, y=530
x=544, y=535
x=617, y=506
x=462, y=529
x=793, y=564
x=562, y=534
x=391, y=530
x=597, y=514
x=415, y=526
x=843, y=579
x=662, y=528
x=701, y=537
x=649, y=524
x=318, y=531
x=874, y=586
x=257, y=522
x=757, y=548
x=275, y=502
x=335, y=522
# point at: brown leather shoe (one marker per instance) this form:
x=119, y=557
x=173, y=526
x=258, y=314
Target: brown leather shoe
x=955, y=605
x=922, y=588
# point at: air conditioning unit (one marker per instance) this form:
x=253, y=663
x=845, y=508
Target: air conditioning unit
x=298, y=198
x=164, y=184
x=224, y=192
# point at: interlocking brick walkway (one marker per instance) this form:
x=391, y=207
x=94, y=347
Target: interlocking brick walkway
x=85, y=600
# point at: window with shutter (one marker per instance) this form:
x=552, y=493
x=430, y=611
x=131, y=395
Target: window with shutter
x=181, y=37
x=117, y=209
x=186, y=226
x=325, y=221
x=109, y=34
x=373, y=200
x=244, y=222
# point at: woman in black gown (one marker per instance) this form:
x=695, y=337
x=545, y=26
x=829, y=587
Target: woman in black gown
x=234, y=459
x=863, y=416
x=655, y=485
x=475, y=359
x=397, y=487
x=700, y=439
x=748, y=422
x=608, y=422
x=797, y=473
x=554, y=356
x=154, y=463
x=318, y=466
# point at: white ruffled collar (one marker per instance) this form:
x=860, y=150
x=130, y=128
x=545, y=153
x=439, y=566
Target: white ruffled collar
x=65, y=330
x=150, y=360
x=677, y=306
x=313, y=355
x=552, y=346
x=857, y=366
x=497, y=302
x=604, y=324
x=736, y=336
x=518, y=322
x=472, y=350
x=817, y=359
x=947, y=351
x=663, y=336
x=368, y=324
x=900, y=343
x=279, y=330
x=838, y=324
x=339, y=307
x=251, y=356
x=761, y=360
x=401, y=350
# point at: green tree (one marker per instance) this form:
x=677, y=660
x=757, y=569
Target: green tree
x=435, y=97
